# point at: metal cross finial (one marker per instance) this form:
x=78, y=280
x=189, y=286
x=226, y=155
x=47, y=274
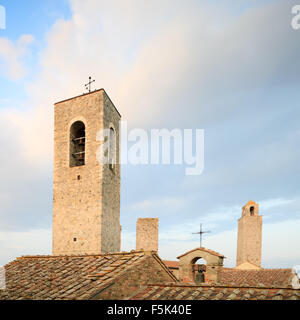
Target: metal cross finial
x=201, y=234
x=88, y=85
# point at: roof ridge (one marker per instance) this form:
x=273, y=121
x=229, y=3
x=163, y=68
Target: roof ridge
x=205, y=250
x=179, y=285
x=138, y=261
x=114, y=268
x=133, y=252
x=105, y=285
x=162, y=263
x=256, y=270
x=80, y=95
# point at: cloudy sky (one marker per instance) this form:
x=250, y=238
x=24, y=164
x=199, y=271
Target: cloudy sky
x=231, y=68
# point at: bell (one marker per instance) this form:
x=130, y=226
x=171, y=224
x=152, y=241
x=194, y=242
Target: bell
x=200, y=277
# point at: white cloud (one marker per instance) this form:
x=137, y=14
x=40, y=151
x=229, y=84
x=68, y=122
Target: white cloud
x=280, y=240
x=11, y=55
x=280, y=246
x=271, y=203
x=222, y=214
x=158, y=61
x=17, y=244
x=128, y=241
x=150, y=60
x=171, y=203
x=281, y=243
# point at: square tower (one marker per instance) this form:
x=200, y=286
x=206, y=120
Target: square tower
x=86, y=193
x=249, y=243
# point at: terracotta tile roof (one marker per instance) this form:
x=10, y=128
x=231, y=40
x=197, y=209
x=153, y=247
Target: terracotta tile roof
x=204, y=249
x=266, y=277
x=251, y=202
x=66, y=277
x=181, y=292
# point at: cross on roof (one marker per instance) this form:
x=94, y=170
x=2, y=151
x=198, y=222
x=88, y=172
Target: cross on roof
x=201, y=234
x=88, y=85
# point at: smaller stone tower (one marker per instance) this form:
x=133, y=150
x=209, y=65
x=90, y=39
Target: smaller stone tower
x=249, y=243
x=147, y=234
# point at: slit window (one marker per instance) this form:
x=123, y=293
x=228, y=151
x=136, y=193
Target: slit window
x=77, y=144
x=112, y=149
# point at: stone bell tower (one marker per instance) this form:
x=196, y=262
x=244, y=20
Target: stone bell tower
x=249, y=243
x=86, y=193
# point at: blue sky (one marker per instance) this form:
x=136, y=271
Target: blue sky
x=231, y=69
x=35, y=18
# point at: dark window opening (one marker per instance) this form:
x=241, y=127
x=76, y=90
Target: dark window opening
x=252, y=211
x=112, y=149
x=75, y=239
x=77, y=144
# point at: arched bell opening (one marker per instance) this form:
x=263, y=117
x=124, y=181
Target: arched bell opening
x=77, y=144
x=198, y=270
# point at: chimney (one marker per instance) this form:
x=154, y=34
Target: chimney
x=147, y=234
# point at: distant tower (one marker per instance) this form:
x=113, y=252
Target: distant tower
x=86, y=194
x=249, y=237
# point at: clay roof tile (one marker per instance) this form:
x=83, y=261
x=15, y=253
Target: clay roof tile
x=206, y=292
x=65, y=277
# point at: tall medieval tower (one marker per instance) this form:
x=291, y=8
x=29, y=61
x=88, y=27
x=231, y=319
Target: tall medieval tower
x=86, y=193
x=249, y=243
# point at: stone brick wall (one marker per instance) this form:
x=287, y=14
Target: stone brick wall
x=150, y=272
x=80, y=194
x=214, y=265
x=249, y=244
x=147, y=234
x=175, y=272
x=111, y=241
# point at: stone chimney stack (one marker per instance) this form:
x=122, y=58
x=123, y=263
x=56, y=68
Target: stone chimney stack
x=147, y=234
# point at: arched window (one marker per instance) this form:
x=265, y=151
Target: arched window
x=251, y=211
x=77, y=144
x=112, y=149
x=198, y=270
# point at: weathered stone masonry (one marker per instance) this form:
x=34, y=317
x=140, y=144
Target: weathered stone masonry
x=147, y=234
x=86, y=199
x=249, y=244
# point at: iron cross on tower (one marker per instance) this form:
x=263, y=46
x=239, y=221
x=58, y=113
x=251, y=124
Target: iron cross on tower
x=88, y=85
x=201, y=234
